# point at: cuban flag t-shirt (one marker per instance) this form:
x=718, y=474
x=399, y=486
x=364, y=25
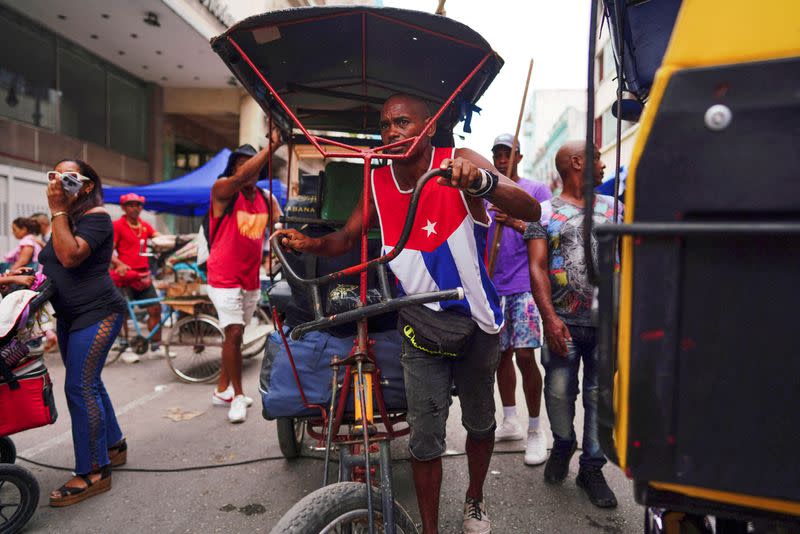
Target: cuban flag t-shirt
x=446, y=248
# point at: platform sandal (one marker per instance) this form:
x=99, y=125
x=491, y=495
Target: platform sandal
x=118, y=453
x=69, y=495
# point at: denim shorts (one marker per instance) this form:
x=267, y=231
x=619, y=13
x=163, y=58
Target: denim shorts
x=428, y=381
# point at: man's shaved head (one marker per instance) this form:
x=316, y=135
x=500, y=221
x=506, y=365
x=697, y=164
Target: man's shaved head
x=570, y=161
x=574, y=147
x=416, y=104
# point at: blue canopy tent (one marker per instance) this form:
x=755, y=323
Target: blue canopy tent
x=189, y=194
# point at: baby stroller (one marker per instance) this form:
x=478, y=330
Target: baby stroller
x=26, y=398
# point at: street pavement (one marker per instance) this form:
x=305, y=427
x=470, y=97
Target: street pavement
x=172, y=425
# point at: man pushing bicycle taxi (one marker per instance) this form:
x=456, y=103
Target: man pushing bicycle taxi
x=445, y=342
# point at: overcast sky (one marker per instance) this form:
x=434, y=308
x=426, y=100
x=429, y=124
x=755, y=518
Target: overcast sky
x=553, y=33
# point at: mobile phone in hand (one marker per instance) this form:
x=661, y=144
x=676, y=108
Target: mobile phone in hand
x=70, y=184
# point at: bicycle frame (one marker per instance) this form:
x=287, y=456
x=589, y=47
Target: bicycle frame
x=144, y=303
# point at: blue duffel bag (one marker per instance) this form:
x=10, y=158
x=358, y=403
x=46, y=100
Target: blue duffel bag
x=312, y=356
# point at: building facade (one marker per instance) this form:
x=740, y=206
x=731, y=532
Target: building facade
x=544, y=109
x=571, y=124
x=131, y=87
x=605, y=124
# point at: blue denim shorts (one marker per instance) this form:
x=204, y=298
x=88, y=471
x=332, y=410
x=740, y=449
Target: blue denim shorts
x=428, y=381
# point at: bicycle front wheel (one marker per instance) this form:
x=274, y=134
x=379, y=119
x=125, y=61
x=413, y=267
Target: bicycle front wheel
x=340, y=508
x=197, y=346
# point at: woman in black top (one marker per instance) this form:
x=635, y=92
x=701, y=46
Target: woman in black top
x=90, y=313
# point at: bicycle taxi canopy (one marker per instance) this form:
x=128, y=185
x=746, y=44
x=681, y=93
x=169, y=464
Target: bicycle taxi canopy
x=331, y=68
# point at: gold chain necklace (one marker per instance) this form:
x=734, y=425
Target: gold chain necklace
x=137, y=229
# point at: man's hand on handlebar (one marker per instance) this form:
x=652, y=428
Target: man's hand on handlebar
x=464, y=173
x=291, y=239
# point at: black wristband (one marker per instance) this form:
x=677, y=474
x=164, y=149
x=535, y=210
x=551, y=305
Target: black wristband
x=486, y=186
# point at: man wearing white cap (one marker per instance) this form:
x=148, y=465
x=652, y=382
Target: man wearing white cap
x=521, y=333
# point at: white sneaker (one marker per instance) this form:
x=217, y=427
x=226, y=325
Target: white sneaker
x=224, y=398
x=238, y=411
x=536, y=448
x=130, y=357
x=476, y=521
x=509, y=430
x=161, y=352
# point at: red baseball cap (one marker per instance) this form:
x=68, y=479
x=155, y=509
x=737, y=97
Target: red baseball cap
x=131, y=197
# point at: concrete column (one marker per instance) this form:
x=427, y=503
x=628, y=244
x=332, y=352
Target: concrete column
x=155, y=134
x=252, y=123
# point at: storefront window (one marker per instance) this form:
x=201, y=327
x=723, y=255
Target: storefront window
x=83, y=101
x=90, y=99
x=128, y=111
x=27, y=75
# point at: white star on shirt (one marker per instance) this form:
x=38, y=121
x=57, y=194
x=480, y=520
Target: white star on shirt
x=430, y=227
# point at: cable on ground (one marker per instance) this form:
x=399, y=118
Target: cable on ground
x=236, y=464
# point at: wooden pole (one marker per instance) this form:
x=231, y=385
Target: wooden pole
x=440, y=9
x=498, y=230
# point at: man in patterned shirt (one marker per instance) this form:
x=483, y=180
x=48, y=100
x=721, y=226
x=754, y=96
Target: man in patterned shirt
x=563, y=295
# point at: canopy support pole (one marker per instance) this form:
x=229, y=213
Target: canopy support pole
x=498, y=229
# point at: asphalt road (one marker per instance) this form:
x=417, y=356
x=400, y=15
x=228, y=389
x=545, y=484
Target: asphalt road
x=169, y=424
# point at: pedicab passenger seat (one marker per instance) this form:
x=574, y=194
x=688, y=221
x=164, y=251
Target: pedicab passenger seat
x=280, y=296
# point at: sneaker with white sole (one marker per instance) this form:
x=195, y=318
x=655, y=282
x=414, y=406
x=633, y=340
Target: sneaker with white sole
x=535, y=448
x=130, y=357
x=476, y=521
x=509, y=430
x=224, y=398
x=160, y=351
x=238, y=410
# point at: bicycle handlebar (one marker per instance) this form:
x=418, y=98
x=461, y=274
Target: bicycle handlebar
x=374, y=309
x=387, y=304
x=401, y=242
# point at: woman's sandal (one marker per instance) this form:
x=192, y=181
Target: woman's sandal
x=69, y=495
x=118, y=453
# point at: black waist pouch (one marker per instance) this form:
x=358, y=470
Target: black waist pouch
x=438, y=333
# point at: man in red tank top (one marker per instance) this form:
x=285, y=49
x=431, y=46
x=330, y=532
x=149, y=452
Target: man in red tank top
x=428, y=379
x=237, y=242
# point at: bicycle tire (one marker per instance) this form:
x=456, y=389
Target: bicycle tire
x=290, y=436
x=8, y=451
x=197, y=334
x=28, y=489
x=318, y=511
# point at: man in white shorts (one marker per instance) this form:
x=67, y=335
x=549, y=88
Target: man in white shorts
x=237, y=224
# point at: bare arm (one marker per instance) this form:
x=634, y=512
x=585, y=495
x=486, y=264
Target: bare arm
x=70, y=250
x=25, y=257
x=507, y=196
x=555, y=331
x=118, y=265
x=333, y=244
x=225, y=188
x=277, y=212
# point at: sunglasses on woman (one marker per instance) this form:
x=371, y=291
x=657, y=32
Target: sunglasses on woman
x=70, y=175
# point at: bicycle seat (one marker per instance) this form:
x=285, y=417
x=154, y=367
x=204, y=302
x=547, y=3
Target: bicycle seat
x=280, y=295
